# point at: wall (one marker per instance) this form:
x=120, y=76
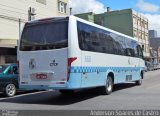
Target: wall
x=14, y=14
x=87, y=16
x=115, y=20
x=13, y=10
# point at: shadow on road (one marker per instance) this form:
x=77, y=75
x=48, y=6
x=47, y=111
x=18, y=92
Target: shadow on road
x=119, y=87
x=55, y=98
x=2, y=95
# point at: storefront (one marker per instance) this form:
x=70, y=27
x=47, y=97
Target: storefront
x=8, y=51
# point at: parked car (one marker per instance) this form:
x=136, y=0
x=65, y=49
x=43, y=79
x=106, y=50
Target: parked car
x=156, y=66
x=149, y=66
x=9, y=79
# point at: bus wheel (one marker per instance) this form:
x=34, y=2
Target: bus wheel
x=109, y=86
x=139, y=82
x=65, y=92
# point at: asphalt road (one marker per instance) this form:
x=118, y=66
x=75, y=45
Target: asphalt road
x=125, y=97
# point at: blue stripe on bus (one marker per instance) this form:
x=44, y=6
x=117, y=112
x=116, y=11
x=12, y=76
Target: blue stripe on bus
x=77, y=69
x=92, y=79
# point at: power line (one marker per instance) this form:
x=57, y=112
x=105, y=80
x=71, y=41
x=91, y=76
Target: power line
x=19, y=9
x=7, y=16
x=13, y=11
x=12, y=7
x=22, y=13
x=12, y=18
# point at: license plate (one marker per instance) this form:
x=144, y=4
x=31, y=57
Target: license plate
x=41, y=76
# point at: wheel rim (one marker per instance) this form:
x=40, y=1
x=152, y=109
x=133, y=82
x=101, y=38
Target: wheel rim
x=109, y=85
x=10, y=89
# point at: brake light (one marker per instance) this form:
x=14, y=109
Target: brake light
x=70, y=61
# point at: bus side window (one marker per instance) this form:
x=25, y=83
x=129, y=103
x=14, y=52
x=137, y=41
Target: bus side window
x=128, y=52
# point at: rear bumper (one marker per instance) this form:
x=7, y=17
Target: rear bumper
x=73, y=83
x=38, y=87
x=47, y=87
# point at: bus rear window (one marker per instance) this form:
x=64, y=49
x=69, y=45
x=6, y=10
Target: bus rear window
x=44, y=35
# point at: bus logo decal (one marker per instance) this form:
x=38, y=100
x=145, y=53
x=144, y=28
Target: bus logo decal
x=32, y=63
x=53, y=63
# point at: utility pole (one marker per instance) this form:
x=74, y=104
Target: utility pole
x=19, y=20
x=70, y=10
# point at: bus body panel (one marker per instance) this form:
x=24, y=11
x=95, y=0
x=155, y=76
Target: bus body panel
x=96, y=67
x=43, y=69
x=90, y=69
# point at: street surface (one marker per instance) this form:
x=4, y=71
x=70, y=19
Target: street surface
x=125, y=97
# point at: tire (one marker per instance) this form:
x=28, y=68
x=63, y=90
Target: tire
x=10, y=90
x=66, y=92
x=107, y=90
x=139, y=82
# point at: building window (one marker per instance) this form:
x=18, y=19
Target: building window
x=62, y=7
x=146, y=25
x=139, y=22
x=135, y=33
x=134, y=20
x=143, y=36
x=140, y=35
x=10, y=59
x=143, y=24
x=41, y=1
x=146, y=36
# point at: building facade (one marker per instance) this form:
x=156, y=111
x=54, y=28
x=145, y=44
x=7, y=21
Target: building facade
x=152, y=33
x=155, y=46
x=14, y=14
x=87, y=16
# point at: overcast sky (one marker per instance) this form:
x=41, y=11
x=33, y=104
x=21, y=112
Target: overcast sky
x=149, y=8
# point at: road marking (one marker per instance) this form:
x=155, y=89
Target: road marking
x=26, y=94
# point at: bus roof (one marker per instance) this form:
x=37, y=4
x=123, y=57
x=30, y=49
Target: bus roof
x=47, y=19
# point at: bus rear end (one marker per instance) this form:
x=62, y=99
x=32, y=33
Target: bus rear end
x=43, y=54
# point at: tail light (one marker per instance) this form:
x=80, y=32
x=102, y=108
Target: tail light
x=70, y=61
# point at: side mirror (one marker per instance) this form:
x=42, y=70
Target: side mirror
x=15, y=70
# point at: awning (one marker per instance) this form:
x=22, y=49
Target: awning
x=7, y=45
